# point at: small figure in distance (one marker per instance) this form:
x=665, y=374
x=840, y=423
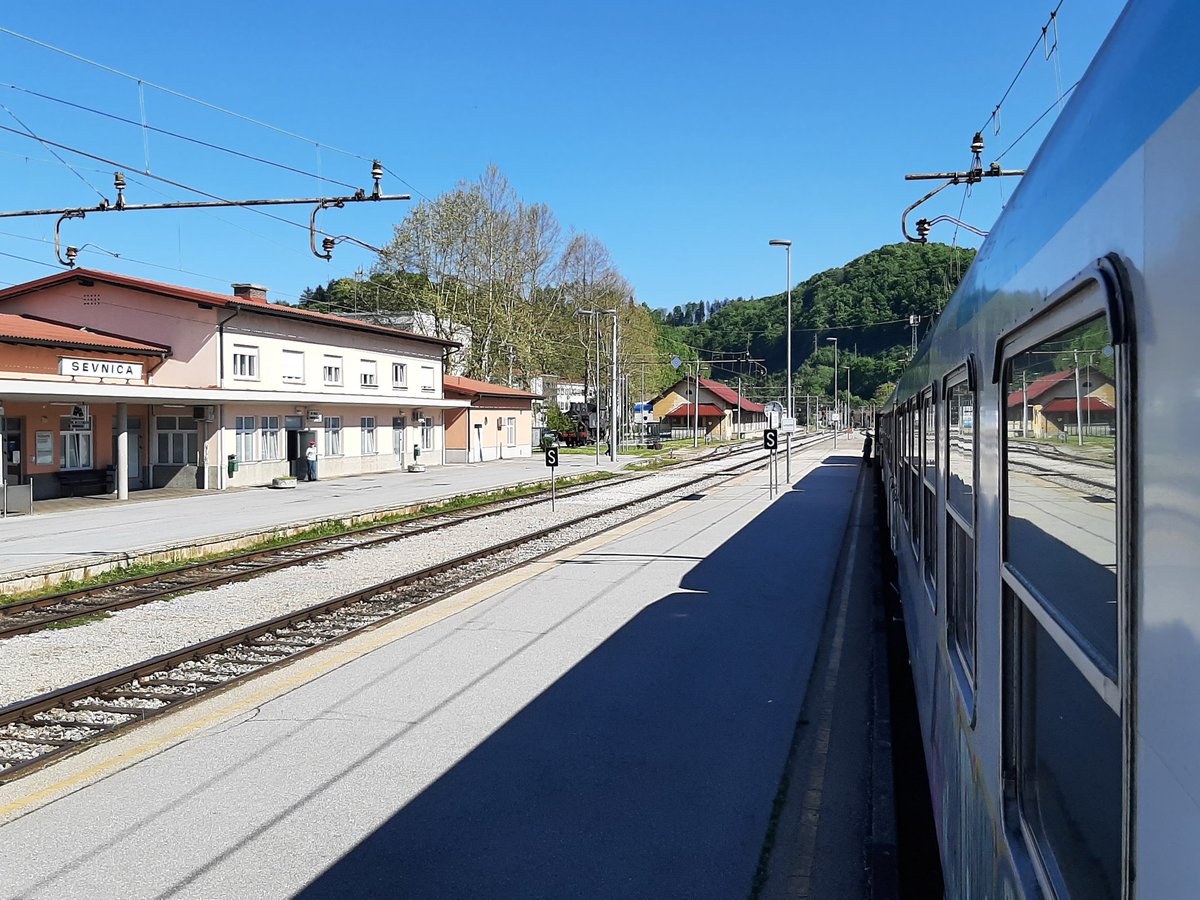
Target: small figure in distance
x=867, y=447
x=310, y=458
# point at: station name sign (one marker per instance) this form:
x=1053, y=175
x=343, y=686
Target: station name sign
x=98, y=368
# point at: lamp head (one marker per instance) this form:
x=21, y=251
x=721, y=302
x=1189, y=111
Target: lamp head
x=779, y=242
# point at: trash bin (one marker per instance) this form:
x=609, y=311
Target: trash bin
x=233, y=463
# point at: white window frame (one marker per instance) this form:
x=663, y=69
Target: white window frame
x=331, y=370
x=243, y=440
x=400, y=376
x=245, y=362
x=427, y=379
x=368, y=444
x=272, y=445
x=82, y=438
x=428, y=441
x=333, y=436
x=175, y=436
x=511, y=428
x=288, y=376
x=368, y=377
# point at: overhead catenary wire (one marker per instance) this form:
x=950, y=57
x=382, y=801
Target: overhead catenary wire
x=174, y=134
x=30, y=133
x=1035, y=122
x=1039, y=40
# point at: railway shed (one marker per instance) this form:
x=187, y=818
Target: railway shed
x=173, y=386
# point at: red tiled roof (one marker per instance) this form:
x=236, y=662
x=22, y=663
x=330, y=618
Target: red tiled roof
x=1086, y=404
x=194, y=295
x=47, y=333
x=471, y=386
x=730, y=396
x=707, y=410
x=1035, y=389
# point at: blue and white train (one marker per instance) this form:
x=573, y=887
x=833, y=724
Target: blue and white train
x=1041, y=462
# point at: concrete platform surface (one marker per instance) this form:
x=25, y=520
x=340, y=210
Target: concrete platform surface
x=613, y=722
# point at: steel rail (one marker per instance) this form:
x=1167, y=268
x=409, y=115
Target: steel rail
x=61, y=698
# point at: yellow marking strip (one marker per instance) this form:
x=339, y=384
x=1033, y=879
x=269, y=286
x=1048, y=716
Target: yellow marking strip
x=320, y=664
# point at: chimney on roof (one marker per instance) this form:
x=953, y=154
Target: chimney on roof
x=251, y=293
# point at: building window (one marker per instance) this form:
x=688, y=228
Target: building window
x=176, y=441
x=512, y=431
x=426, y=433
x=333, y=435
x=293, y=366
x=75, y=443
x=332, y=368
x=367, y=427
x=244, y=438
x=399, y=375
x=272, y=446
x=369, y=377
x=427, y=378
x=245, y=362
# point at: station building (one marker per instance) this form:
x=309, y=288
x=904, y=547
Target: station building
x=723, y=413
x=113, y=383
x=498, y=424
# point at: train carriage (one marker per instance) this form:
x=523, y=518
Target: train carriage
x=1043, y=496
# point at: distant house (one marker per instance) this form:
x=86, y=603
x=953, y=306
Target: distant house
x=722, y=412
x=1052, y=405
x=498, y=424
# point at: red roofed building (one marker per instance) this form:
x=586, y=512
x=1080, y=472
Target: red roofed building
x=1050, y=406
x=723, y=413
x=498, y=424
x=197, y=378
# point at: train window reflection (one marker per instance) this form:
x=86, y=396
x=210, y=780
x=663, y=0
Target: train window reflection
x=1071, y=772
x=930, y=429
x=960, y=448
x=1060, y=460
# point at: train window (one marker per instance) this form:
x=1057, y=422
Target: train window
x=960, y=522
x=929, y=490
x=1070, y=785
x=913, y=473
x=1061, y=502
x=1063, y=596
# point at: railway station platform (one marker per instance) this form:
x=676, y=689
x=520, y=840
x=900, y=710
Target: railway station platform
x=687, y=706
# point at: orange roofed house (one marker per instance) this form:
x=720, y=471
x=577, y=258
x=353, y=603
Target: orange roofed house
x=498, y=424
x=203, y=389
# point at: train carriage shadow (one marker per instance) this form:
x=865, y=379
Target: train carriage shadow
x=650, y=767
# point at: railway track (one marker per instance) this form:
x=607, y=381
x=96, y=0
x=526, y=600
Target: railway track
x=39, y=730
x=31, y=616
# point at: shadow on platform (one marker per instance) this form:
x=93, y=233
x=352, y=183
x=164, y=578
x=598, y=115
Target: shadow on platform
x=650, y=768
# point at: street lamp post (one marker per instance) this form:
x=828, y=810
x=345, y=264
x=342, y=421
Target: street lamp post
x=834, y=341
x=787, y=245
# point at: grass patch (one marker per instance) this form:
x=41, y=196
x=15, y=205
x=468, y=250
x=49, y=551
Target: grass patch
x=77, y=621
x=328, y=529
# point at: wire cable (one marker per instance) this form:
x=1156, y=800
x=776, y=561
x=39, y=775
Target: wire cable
x=183, y=137
x=1040, y=38
x=30, y=133
x=1035, y=122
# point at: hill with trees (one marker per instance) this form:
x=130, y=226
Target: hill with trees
x=865, y=304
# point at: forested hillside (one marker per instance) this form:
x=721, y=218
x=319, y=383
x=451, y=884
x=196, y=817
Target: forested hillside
x=865, y=304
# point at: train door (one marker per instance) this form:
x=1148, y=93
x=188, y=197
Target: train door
x=14, y=459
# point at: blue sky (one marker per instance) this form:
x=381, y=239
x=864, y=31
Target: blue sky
x=683, y=135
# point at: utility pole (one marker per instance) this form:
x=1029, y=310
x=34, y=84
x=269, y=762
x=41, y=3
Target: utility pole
x=613, y=437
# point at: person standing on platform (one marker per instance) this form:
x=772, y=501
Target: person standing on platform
x=310, y=458
x=867, y=447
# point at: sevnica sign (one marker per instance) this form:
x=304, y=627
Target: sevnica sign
x=98, y=368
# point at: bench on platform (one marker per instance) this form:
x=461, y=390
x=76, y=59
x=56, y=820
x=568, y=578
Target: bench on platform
x=82, y=482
